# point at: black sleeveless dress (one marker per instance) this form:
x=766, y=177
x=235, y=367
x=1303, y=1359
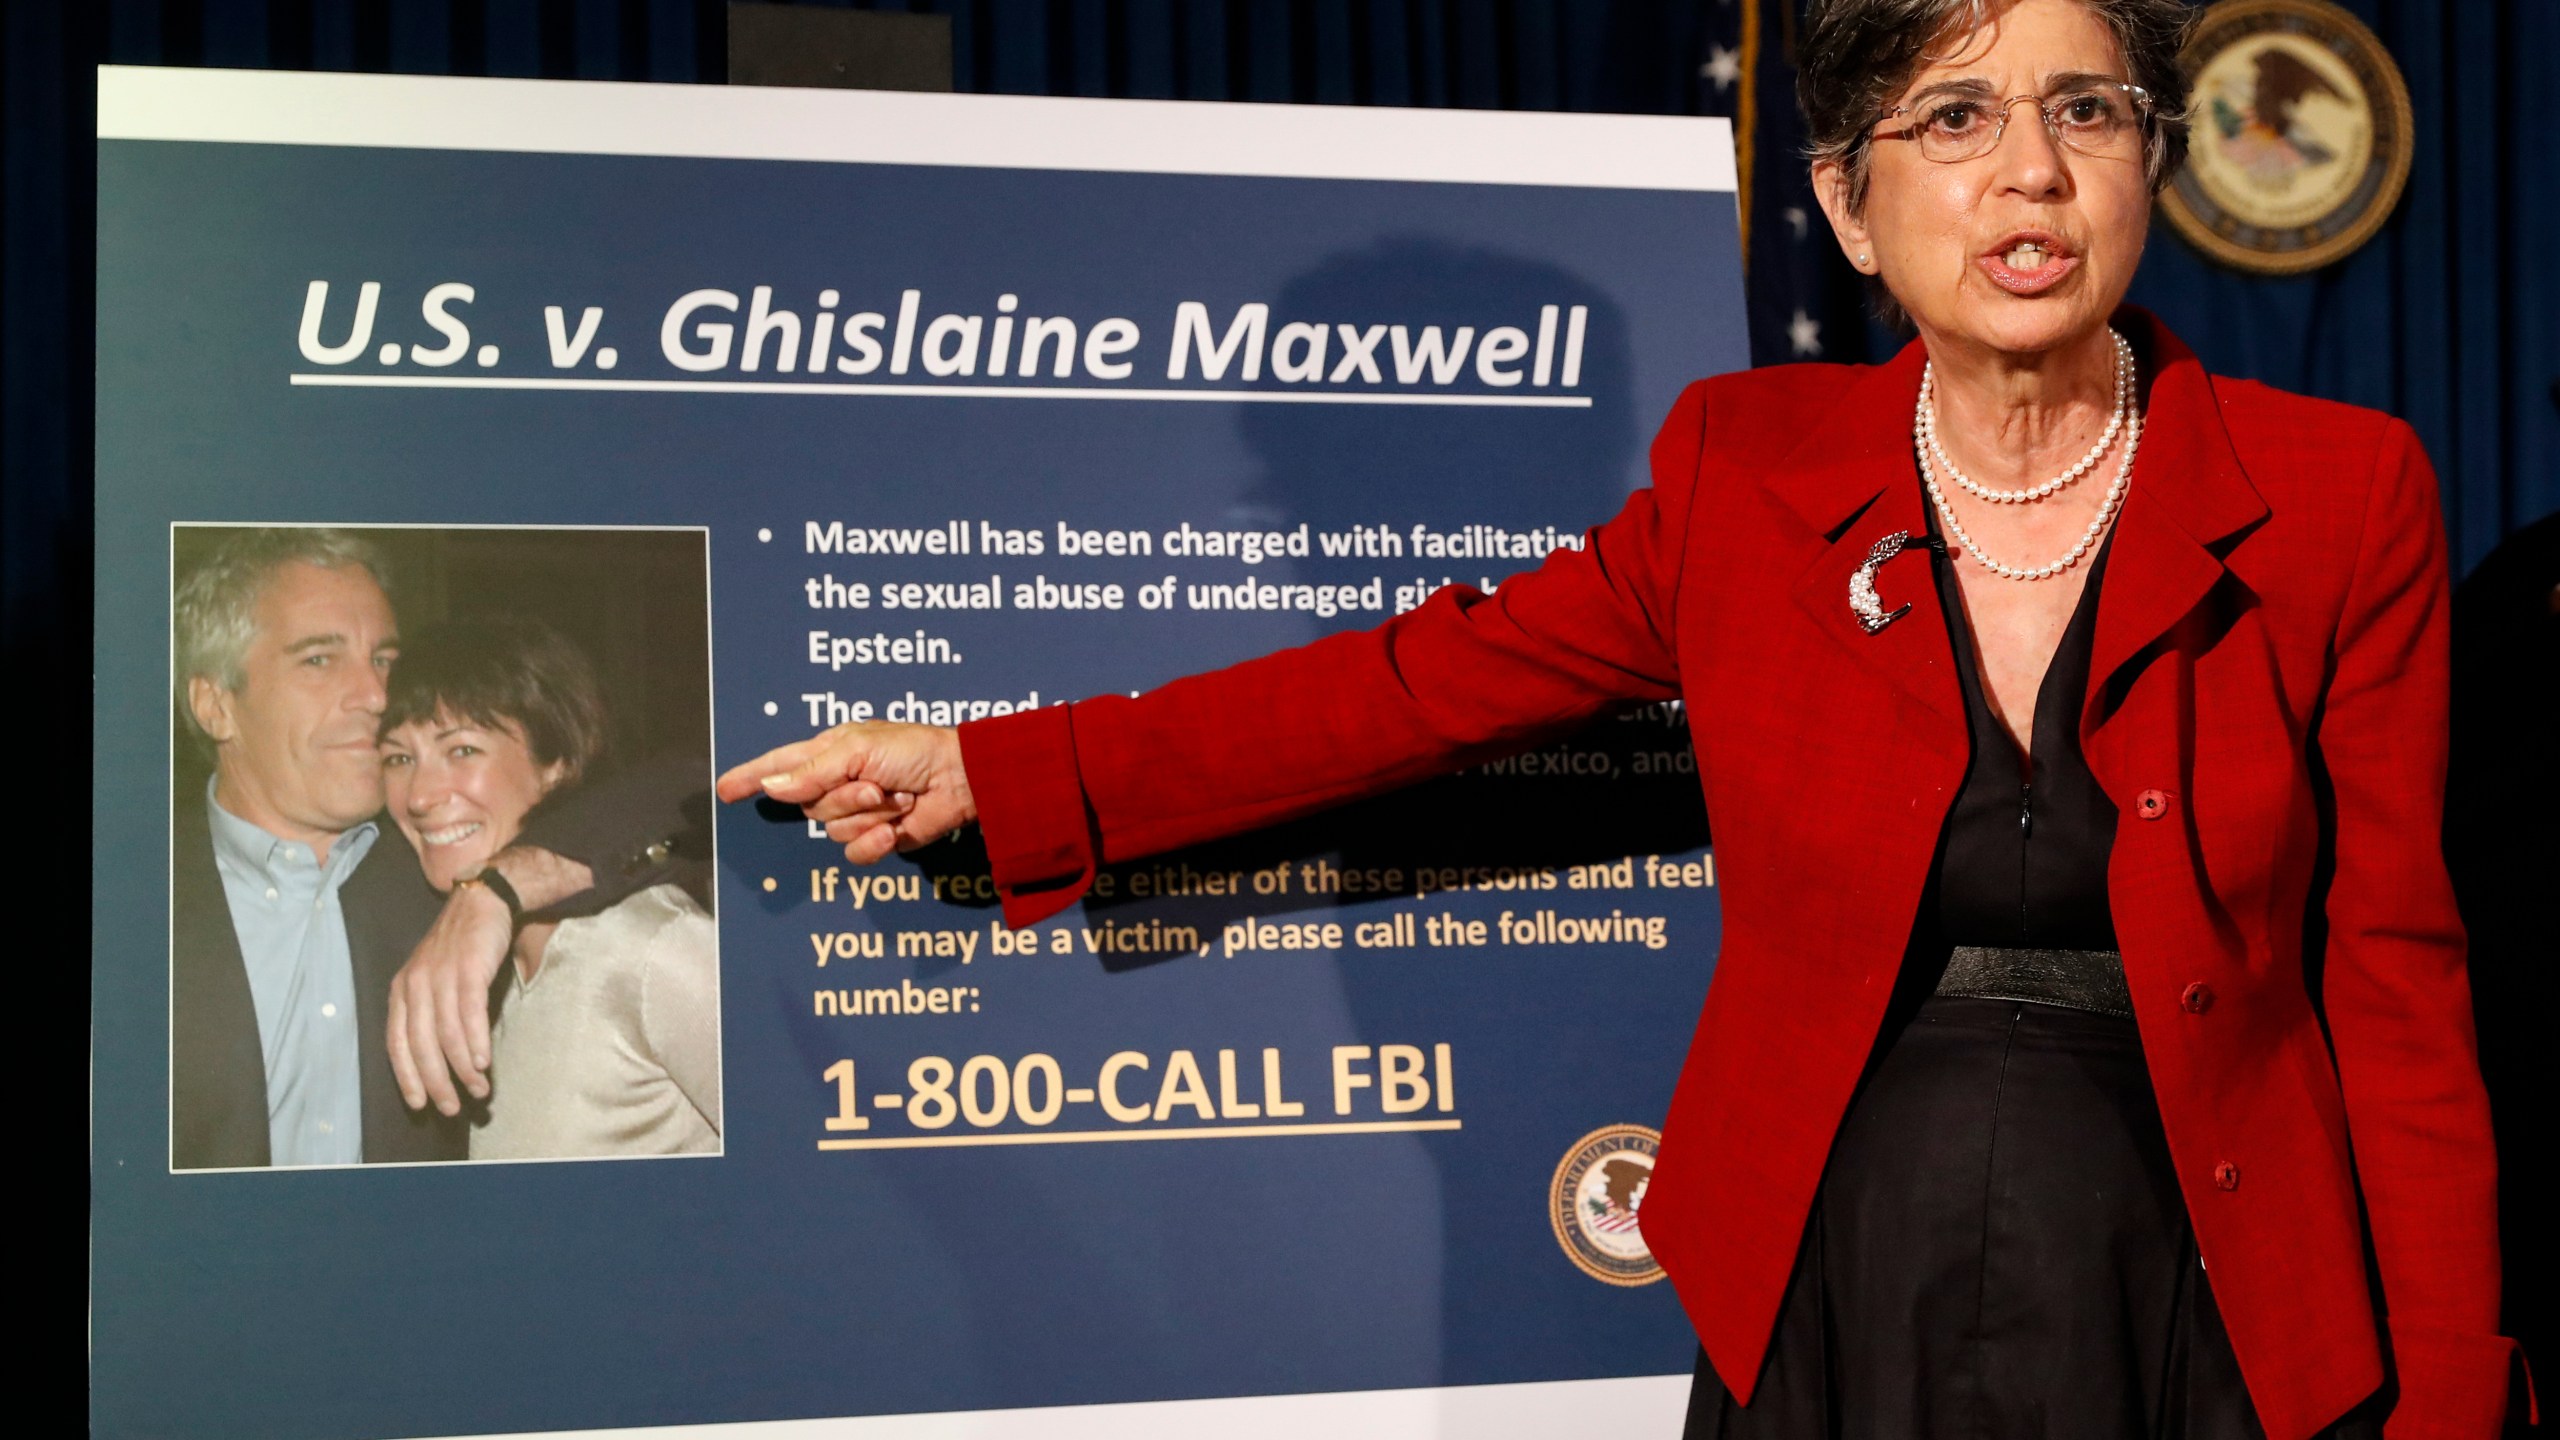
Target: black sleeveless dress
x=1999, y=1249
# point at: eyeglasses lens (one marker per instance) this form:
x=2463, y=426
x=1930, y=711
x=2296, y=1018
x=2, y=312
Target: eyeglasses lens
x=2103, y=123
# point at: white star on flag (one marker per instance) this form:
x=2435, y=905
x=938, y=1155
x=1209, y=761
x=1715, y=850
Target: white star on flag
x=1723, y=66
x=1805, y=334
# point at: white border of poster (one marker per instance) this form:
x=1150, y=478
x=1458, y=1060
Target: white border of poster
x=1639, y=1406
x=1320, y=142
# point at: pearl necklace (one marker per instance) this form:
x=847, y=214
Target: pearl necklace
x=1927, y=426
x=2079, y=548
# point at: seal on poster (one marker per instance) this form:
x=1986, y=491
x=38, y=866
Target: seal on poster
x=2302, y=137
x=1598, y=1190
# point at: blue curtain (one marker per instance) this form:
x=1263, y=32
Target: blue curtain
x=2450, y=317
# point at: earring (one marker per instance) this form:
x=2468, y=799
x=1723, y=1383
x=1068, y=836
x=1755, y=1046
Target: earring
x=1862, y=262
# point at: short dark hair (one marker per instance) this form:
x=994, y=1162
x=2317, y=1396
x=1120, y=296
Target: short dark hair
x=1858, y=54
x=504, y=673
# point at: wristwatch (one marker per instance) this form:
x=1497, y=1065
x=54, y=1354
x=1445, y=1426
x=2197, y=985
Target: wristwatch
x=495, y=882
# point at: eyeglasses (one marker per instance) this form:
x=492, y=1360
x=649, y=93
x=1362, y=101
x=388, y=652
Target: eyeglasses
x=2109, y=120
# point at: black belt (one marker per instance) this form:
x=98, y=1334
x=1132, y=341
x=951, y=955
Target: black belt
x=2090, y=980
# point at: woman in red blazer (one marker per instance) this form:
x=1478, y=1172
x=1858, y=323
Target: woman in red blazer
x=2085, y=930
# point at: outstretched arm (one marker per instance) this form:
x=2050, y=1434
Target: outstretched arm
x=1466, y=677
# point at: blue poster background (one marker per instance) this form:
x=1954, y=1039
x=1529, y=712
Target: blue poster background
x=778, y=1280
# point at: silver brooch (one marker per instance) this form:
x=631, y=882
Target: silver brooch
x=1863, y=602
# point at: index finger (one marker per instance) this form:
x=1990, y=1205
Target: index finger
x=740, y=781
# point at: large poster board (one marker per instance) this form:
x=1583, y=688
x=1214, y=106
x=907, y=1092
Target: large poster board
x=773, y=409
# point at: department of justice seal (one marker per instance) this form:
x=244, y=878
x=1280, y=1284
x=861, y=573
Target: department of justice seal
x=1598, y=1190
x=2301, y=138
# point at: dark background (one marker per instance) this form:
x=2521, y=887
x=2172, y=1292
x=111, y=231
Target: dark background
x=2449, y=317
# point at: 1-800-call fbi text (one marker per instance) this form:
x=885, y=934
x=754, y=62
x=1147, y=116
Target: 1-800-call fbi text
x=1133, y=1088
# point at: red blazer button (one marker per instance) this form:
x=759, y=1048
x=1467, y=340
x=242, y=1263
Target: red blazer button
x=2226, y=1176
x=2198, y=998
x=2151, y=804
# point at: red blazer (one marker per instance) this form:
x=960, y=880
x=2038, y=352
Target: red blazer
x=2266, y=706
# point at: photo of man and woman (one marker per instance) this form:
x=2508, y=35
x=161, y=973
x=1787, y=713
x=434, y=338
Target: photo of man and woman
x=440, y=856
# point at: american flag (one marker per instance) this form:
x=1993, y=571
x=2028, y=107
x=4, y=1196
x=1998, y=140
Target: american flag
x=1805, y=302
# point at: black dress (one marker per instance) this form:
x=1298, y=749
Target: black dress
x=1999, y=1250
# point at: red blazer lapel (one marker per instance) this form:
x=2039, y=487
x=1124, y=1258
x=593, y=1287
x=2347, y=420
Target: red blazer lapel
x=1852, y=479
x=2188, y=495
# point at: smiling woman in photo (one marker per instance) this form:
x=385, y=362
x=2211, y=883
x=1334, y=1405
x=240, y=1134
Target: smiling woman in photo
x=607, y=1040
